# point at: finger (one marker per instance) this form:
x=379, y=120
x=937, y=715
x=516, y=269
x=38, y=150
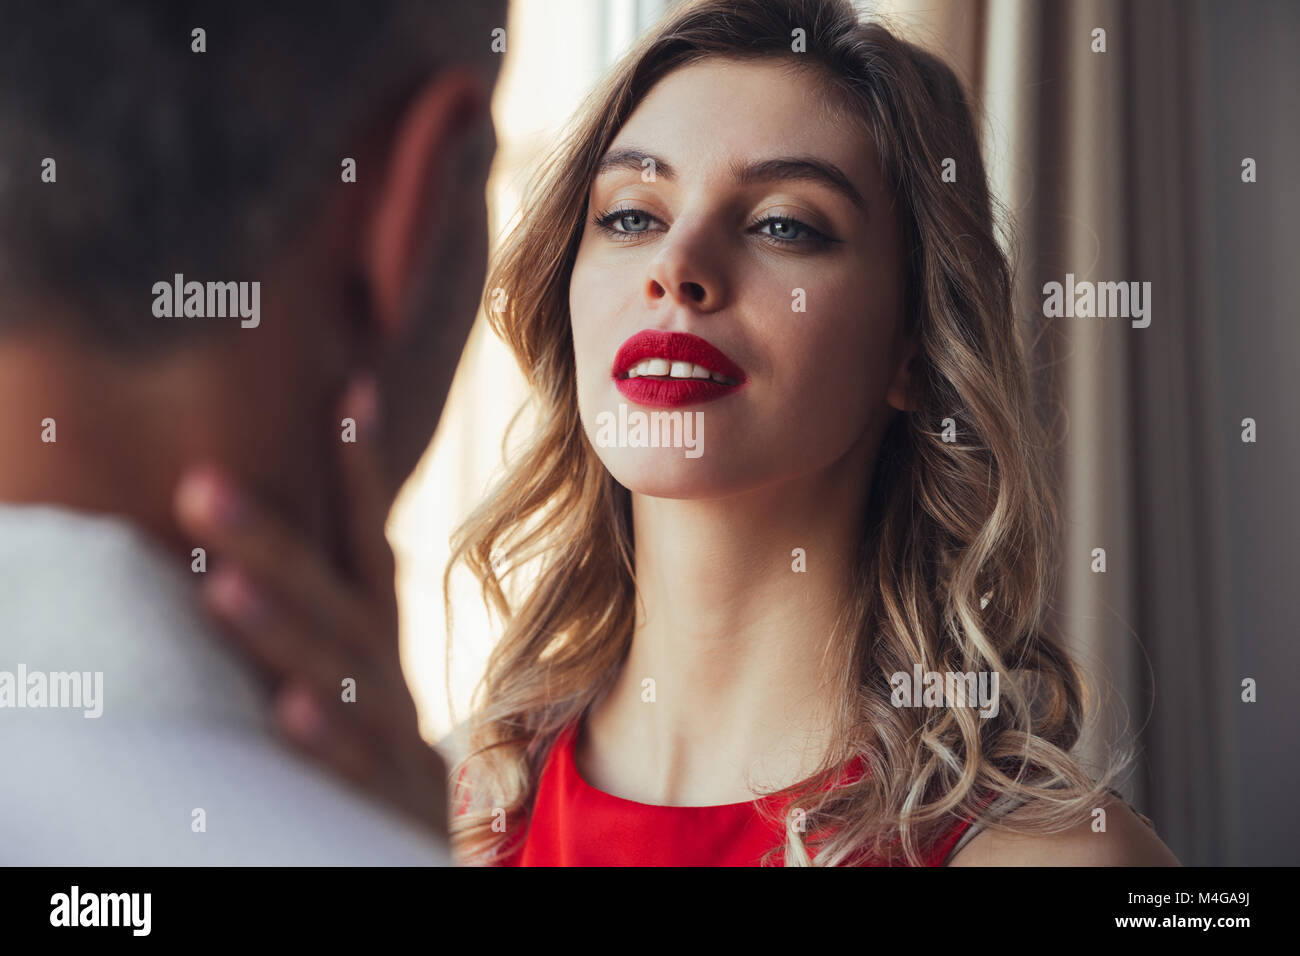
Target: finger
x=301, y=717
x=281, y=645
x=367, y=494
x=280, y=561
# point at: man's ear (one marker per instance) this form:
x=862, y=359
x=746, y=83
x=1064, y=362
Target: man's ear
x=417, y=185
x=900, y=394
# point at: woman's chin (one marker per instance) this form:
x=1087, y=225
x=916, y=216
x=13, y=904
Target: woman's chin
x=665, y=473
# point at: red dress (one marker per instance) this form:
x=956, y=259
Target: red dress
x=574, y=824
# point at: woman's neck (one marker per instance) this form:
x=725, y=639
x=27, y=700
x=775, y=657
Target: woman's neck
x=731, y=680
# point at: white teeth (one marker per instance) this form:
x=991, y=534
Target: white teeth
x=664, y=368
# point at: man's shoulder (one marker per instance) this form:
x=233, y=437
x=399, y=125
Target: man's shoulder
x=179, y=765
x=188, y=794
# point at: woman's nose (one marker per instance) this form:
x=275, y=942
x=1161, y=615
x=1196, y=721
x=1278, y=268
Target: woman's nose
x=688, y=273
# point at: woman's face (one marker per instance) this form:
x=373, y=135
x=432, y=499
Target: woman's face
x=733, y=211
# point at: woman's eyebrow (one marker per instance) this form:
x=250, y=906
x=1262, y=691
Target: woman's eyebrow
x=635, y=159
x=805, y=168
x=777, y=169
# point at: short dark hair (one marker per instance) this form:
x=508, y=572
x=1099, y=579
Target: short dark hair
x=170, y=160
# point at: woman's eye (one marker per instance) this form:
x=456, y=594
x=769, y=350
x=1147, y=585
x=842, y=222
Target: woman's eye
x=625, y=222
x=633, y=222
x=785, y=229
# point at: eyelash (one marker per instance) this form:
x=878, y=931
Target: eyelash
x=605, y=221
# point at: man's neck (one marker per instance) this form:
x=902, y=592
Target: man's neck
x=97, y=431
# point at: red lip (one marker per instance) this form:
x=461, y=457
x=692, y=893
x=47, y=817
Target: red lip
x=679, y=347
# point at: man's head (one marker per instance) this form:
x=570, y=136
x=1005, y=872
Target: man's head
x=336, y=153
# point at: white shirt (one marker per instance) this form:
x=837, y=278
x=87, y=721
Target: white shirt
x=181, y=766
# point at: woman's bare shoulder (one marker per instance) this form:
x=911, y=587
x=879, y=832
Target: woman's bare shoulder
x=1128, y=840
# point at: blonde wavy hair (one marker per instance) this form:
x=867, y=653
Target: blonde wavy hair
x=956, y=565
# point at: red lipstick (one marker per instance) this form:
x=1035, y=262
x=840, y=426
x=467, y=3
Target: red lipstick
x=644, y=366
